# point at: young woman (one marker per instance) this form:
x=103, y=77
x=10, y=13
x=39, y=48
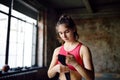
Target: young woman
x=78, y=57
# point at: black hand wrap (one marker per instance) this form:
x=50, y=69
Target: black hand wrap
x=62, y=59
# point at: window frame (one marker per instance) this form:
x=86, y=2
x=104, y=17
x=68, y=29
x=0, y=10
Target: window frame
x=8, y=31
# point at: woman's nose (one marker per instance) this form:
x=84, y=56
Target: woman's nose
x=64, y=35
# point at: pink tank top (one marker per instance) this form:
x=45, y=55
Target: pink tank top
x=75, y=52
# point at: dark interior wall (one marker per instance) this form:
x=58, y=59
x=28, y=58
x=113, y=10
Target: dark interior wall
x=51, y=35
x=102, y=36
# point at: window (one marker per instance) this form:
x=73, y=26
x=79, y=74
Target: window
x=22, y=41
x=3, y=34
x=4, y=8
x=22, y=46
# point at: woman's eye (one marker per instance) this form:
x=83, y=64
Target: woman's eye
x=60, y=33
x=67, y=31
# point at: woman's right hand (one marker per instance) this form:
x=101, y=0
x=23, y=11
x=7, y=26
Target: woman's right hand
x=62, y=68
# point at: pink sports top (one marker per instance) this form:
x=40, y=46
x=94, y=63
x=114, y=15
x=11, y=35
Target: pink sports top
x=75, y=52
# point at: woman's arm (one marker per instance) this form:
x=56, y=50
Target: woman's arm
x=53, y=67
x=87, y=71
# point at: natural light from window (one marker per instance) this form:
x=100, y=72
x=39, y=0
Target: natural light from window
x=22, y=42
x=3, y=36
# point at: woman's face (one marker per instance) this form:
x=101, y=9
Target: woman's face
x=65, y=33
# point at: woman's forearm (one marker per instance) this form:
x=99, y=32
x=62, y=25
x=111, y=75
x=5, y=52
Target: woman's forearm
x=52, y=72
x=87, y=74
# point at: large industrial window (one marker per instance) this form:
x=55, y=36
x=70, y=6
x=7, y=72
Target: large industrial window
x=22, y=40
x=3, y=33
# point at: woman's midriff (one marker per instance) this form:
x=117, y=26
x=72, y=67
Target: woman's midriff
x=74, y=75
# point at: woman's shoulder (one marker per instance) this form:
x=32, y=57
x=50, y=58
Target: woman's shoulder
x=85, y=49
x=57, y=49
x=84, y=46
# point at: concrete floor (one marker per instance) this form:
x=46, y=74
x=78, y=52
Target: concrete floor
x=107, y=76
x=107, y=79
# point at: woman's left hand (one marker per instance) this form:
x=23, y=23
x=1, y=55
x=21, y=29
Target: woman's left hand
x=70, y=59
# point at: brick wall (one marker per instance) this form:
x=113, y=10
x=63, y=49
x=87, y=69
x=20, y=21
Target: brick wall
x=102, y=36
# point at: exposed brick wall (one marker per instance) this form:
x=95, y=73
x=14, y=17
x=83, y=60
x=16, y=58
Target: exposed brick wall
x=102, y=36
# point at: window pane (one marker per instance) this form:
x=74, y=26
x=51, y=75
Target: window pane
x=12, y=61
x=4, y=8
x=19, y=15
x=28, y=45
x=22, y=44
x=16, y=43
x=34, y=44
x=3, y=36
x=2, y=61
x=20, y=55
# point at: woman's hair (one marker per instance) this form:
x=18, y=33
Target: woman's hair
x=68, y=21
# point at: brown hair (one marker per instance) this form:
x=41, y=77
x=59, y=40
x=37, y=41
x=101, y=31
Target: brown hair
x=68, y=21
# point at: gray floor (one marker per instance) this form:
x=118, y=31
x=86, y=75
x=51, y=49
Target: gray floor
x=107, y=76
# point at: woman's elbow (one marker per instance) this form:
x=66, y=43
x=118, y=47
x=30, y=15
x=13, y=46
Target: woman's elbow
x=48, y=73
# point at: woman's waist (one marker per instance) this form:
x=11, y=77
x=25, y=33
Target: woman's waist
x=74, y=75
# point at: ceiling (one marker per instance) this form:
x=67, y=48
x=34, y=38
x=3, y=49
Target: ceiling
x=79, y=6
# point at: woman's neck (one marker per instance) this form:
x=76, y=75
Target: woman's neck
x=71, y=42
x=68, y=46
